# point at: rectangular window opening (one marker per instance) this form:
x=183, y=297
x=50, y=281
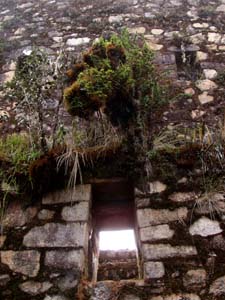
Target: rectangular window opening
x=113, y=242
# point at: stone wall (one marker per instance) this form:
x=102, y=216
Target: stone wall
x=44, y=248
x=45, y=255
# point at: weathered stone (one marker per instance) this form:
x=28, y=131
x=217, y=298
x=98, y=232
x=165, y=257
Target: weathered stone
x=157, y=187
x=154, y=46
x=195, y=114
x=102, y=290
x=81, y=193
x=162, y=251
x=183, y=197
x=137, y=30
x=2, y=240
x=67, y=282
x=201, y=56
x=155, y=233
x=201, y=25
x=195, y=279
x=46, y=214
x=153, y=270
x=204, y=98
x=115, y=19
x=26, y=262
x=4, y=279
x=150, y=216
x=59, y=259
x=206, y=85
x=177, y=297
x=35, y=288
x=7, y=77
x=16, y=216
x=57, y=235
x=77, y=41
x=214, y=37
x=197, y=38
x=210, y=73
x=218, y=243
x=205, y=227
x=78, y=212
x=221, y=8
x=157, y=31
x=217, y=288
x=189, y=91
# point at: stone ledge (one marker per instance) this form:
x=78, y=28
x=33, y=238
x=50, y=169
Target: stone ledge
x=81, y=193
x=164, y=251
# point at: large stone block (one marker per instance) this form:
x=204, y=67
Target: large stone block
x=71, y=260
x=81, y=193
x=155, y=233
x=35, y=288
x=164, y=251
x=25, y=262
x=57, y=235
x=148, y=216
x=205, y=227
x=153, y=270
x=78, y=212
x=195, y=279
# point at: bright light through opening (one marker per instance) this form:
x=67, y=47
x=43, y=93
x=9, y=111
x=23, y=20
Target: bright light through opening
x=117, y=240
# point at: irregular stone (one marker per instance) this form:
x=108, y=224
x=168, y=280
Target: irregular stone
x=210, y=73
x=157, y=187
x=205, y=85
x=218, y=243
x=150, y=216
x=195, y=114
x=157, y=31
x=67, y=282
x=197, y=38
x=46, y=214
x=55, y=297
x=200, y=25
x=153, y=270
x=164, y=251
x=204, y=98
x=154, y=46
x=81, y=193
x=221, y=8
x=77, y=41
x=177, y=297
x=195, y=279
x=2, y=240
x=201, y=56
x=115, y=19
x=183, y=197
x=214, y=37
x=217, y=288
x=189, y=91
x=78, y=212
x=155, y=233
x=102, y=290
x=57, y=39
x=205, y=227
x=26, y=262
x=57, y=235
x=35, y=288
x=71, y=260
x=137, y=30
x=16, y=216
x=4, y=279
